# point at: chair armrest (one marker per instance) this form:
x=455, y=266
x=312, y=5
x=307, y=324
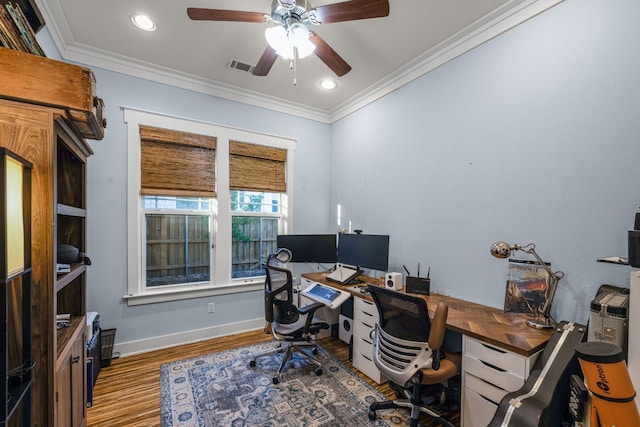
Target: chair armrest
x=309, y=311
x=436, y=336
x=311, y=308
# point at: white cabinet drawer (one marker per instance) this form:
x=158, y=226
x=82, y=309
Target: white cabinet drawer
x=476, y=410
x=363, y=345
x=364, y=363
x=365, y=317
x=496, y=357
x=363, y=328
x=503, y=379
x=480, y=386
x=366, y=307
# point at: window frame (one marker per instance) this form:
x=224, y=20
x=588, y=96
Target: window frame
x=221, y=281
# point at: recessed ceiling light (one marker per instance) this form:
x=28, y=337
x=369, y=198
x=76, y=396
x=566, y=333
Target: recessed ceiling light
x=328, y=84
x=143, y=22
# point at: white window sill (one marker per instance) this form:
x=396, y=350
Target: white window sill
x=181, y=293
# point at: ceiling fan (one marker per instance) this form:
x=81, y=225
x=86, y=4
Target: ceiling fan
x=291, y=36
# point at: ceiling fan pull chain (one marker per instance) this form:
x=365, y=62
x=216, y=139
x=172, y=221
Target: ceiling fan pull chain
x=293, y=66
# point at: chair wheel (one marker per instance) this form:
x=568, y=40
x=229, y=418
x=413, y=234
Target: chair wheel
x=318, y=371
x=372, y=415
x=252, y=364
x=275, y=380
x=314, y=350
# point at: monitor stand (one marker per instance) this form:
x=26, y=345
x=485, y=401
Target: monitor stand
x=343, y=274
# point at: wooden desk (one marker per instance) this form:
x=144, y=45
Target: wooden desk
x=487, y=324
x=499, y=349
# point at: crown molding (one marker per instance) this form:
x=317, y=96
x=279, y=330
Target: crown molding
x=508, y=16
x=490, y=26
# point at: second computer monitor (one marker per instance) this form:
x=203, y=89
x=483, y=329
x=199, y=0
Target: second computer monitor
x=364, y=251
x=309, y=247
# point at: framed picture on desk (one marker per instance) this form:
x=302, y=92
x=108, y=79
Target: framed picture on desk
x=527, y=286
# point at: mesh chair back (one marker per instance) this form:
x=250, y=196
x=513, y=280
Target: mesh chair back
x=402, y=315
x=278, y=296
x=401, y=337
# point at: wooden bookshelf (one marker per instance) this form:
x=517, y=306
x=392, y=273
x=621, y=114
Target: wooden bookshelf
x=20, y=20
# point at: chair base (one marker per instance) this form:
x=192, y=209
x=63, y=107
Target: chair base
x=291, y=347
x=415, y=406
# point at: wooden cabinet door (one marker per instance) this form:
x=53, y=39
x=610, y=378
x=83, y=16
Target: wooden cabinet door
x=70, y=387
x=78, y=381
x=63, y=395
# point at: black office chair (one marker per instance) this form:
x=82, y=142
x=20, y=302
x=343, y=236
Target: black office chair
x=407, y=350
x=290, y=325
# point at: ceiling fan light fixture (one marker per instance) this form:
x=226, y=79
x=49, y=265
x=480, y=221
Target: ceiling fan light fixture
x=285, y=52
x=298, y=34
x=143, y=22
x=276, y=37
x=305, y=48
x=284, y=40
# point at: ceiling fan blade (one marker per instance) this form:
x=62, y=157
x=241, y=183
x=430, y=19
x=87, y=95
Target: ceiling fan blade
x=329, y=56
x=265, y=63
x=352, y=10
x=199, y=14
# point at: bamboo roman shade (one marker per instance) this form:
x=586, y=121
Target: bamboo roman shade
x=175, y=163
x=257, y=168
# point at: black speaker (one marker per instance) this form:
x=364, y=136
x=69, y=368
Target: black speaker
x=634, y=248
x=637, y=222
x=418, y=285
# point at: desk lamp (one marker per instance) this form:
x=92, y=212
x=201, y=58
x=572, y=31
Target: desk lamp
x=503, y=250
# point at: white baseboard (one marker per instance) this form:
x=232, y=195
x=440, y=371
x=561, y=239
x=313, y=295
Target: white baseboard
x=156, y=343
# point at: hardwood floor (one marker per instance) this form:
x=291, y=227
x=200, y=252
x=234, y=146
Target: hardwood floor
x=127, y=392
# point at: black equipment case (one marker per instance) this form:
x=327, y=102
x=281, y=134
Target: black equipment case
x=543, y=400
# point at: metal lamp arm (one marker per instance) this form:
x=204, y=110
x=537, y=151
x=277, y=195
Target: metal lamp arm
x=554, y=277
x=531, y=249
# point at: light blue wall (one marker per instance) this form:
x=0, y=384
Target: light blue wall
x=107, y=203
x=106, y=234
x=531, y=137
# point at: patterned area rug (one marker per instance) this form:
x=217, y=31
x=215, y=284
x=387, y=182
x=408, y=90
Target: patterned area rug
x=221, y=389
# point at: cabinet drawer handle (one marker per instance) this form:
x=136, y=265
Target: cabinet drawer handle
x=499, y=350
x=75, y=359
x=488, y=400
x=492, y=366
x=368, y=358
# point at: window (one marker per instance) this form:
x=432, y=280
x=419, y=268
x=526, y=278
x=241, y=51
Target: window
x=204, y=209
x=178, y=240
x=255, y=225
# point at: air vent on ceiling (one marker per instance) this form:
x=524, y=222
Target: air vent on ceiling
x=237, y=65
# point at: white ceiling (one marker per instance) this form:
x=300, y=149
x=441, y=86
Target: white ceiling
x=384, y=53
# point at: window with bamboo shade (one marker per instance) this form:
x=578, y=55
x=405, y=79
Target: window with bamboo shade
x=175, y=163
x=189, y=234
x=257, y=167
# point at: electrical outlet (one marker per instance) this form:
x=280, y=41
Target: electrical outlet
x=212, y=307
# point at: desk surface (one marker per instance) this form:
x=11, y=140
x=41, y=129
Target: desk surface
x=487, y=324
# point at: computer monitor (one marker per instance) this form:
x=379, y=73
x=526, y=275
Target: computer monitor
x=364, y=251
x=309, y=247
